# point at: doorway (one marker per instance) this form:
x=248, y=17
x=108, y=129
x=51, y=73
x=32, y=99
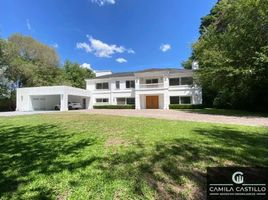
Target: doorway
x=152, y=102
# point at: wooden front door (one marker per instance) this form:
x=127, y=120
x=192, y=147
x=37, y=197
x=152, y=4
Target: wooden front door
x=152, y=102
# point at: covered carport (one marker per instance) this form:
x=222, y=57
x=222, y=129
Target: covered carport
x=50, y=97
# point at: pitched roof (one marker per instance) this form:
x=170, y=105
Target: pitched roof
x=123, y=74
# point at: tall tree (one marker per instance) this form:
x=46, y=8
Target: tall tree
x=33, y=63
x=232, y=53
x=76, y=75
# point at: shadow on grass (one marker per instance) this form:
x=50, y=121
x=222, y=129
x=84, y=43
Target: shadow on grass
x=25, y=150
x=171, y=169
x=176, y=169
x=226, y=112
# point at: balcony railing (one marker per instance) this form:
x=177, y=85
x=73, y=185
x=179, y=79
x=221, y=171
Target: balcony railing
x=152, y=85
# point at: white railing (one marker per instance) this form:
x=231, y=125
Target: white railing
x=152, y=85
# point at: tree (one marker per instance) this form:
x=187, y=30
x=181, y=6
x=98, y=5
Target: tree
x=33, y=63
x=232, y=54
x=76, y=75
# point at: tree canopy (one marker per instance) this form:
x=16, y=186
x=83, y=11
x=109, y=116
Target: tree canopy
x=232, y=52
x=26, y=62
x=76, y=75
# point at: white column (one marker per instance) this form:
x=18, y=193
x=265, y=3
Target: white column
x=166, y=100
x=166, y=82
x=88, y=104
x=137, y=102
x=137, y=83
x=63, y=102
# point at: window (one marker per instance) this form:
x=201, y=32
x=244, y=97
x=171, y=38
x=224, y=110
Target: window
x=186, y=80
x=151, y=81
x=185, y=100
x=174, y=81
x=102, y=100
x=175, y=100
x=117, y=84
x=121, y=101
x=130, y=84
x=180, y=100
x=131, y=101
x=124, y=101
x=102, y=86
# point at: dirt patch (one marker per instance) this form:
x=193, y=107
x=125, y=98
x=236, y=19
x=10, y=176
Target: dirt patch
x=63, y=196
x=115, y=141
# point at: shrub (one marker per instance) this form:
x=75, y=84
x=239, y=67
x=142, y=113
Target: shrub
x=185, y=106
x=114, y=107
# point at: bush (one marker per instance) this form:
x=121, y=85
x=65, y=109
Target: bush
x=185, y=106
x=114, y=107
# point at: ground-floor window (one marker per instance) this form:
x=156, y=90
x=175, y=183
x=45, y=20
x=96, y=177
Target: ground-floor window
x=180, y=100
x=124, y=101
x=102, y=100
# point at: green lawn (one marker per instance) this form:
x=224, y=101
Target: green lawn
x=80, y=156
x=227, y=112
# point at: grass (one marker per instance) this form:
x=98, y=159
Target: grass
x=80, y=156
x=227, y=112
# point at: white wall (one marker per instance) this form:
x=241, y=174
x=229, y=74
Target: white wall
x=50, y=93
x=102, y=72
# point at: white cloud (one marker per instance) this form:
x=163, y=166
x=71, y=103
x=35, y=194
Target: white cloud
x=131, y=51
x=86, y=65
x=102, y=49
x=28, y=24
x=55, y=45
x=84, y=46
x=103, y=2
x=121, y=60
x=165, y=47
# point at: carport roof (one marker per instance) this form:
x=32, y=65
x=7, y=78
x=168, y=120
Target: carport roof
x=54, y=90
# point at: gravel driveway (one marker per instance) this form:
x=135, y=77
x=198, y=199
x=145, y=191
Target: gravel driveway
x=163, y=114
x=17, y=113
x=185, y=116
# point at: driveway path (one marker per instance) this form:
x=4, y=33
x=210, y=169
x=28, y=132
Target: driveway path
x=185, y=116
x=17, y=113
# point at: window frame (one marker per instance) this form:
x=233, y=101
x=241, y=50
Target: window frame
x=152, y=81
x=179, y=81
x=180, y=101
x=190, y=102
x=126, y=100
x=102, y=84
x=186, y=77
x=102, y=100
x=117, y=85
x=130, y=84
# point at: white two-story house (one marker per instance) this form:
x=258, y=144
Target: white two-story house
x=146, y=89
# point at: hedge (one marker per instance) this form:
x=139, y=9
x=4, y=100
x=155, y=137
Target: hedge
x=185, y=106
x=114, y=107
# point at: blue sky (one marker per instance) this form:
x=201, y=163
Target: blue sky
x=121, y=35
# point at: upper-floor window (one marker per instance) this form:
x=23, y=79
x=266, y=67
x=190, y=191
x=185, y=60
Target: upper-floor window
x=151, y=81
x=174, y=81
x=101, y=86
x=130, y=84
x=117, y=84
x=186, y=80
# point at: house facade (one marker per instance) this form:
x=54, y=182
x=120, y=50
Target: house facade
x=147, y=89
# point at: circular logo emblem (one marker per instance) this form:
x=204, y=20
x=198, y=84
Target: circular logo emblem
x=238, y=177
